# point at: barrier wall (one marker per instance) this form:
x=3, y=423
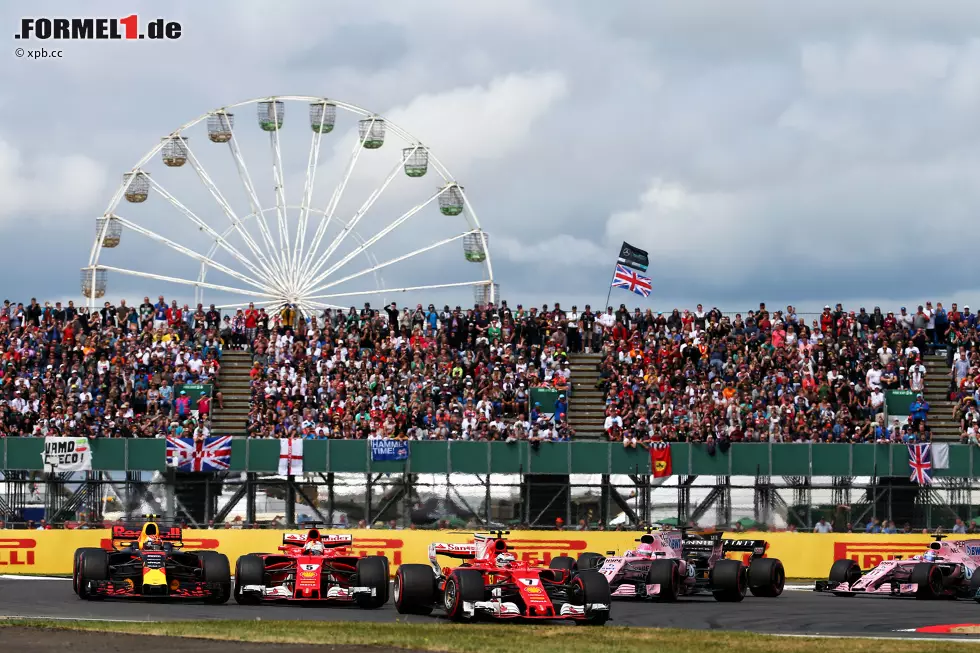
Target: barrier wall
x=805, y=555
x=436, y=457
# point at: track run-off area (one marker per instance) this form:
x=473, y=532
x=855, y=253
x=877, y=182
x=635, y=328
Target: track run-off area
x=797, y=612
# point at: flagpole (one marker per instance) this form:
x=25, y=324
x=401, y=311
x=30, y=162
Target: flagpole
x=609, y=294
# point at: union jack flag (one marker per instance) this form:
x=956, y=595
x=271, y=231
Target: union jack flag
x=629, y=280
x=208, y=455
x=920, y=461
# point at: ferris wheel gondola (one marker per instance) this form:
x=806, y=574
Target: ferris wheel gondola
x=274, y=252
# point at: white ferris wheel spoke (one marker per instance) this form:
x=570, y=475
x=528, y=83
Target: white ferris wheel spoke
x=371, y=241
x=204, y=226
x=237, y=223
x=339, y=239
x=328, y=213
x=253, y=200
x=186, y=282
x=306, y=204
x=399, y=259
x=201, y=258
x=459, y=284
x=280, y=194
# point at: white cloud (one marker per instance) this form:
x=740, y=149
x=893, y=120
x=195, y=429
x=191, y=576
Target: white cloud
x=50, y=187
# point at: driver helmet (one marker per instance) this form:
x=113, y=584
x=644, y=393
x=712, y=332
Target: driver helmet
x=930, y=556
x=505, y=559
x=314, y=548
x=645, y=550
x=152, y=543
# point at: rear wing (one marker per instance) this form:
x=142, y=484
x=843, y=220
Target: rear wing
x=171, y=534
x=458, y=551
x=756, y=547
x=330, y=541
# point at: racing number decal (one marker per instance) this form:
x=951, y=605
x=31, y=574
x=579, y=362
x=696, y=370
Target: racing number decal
x=691, y=571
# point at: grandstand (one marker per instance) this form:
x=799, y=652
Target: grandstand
x=423, y=373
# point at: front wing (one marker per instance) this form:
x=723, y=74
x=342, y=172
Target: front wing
x=193, y=590
x=283, y=593
x=499, y=609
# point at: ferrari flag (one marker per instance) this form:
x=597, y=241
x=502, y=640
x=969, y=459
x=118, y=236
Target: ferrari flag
x=660, y=459
x=290, y=456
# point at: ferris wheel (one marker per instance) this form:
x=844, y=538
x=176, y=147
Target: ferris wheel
x=230, y=230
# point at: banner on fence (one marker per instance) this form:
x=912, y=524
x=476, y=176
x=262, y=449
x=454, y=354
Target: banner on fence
x=389, y=450
x=67, y=455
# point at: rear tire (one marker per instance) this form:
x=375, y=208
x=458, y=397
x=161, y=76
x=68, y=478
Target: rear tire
x=372, y=572
x=729, y=581
x=462, y=586
x=766, y=577
x=249, y=570
x=566, y=563
x=589, y=560
x=75, y=566
x=588, y=588
x=216, y=569
x=93, y=564
x=414, y=589
x=665, y=573
x=929, y=579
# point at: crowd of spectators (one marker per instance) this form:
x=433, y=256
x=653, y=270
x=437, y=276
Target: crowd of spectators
x=426, y=373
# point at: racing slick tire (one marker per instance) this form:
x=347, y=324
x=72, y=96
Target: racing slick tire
x=372, y=572
x=929, y=579
x=975, y=586
x=729, y=581
x=844, y=571
x=590, y=587
x=766, y=577
x=564, y=562
x=665, y=573
x=249, y=570
x=463, y=585
x=93, y=564
x=75, y=567
x=589, y=560
x=414, y=589
x=216, y=569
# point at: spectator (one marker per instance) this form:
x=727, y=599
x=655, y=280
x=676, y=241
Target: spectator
x=822, y=526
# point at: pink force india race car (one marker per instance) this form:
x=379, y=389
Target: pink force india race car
x=944, y=570
x=668, y=564
x=312, y=566
x=490, y=582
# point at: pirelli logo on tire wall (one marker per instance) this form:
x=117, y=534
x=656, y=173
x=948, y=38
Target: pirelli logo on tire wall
x=871, y=554
x=17, y=552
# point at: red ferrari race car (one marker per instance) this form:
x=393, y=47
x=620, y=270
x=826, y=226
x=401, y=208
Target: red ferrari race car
x=490, y=582
x=944, y=570
x=150, y=564
x=312, y=566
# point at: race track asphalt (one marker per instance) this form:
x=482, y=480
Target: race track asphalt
x=795, y=612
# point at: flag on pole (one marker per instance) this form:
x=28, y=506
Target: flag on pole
x=920, y=462
x=632, y=281
x=940, y=456
x=290, y=456
x=202, y=455
x=634, y=257
x=660, y=461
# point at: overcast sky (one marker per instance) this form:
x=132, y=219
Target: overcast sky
x=770, y=151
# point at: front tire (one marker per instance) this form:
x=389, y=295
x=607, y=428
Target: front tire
x=216, y=569
x=372, y=572
x=76, y=568
x=93, y=564
x=665, y=573
x=462, y=586
x=929, y=580
x=729, y=581
x=414, y=589
x=590, y=587
x=249, y=570
x=589, y=560
x=766, y=577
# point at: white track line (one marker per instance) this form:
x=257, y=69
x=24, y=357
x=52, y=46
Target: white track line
x=43, y=618
x=974, y=640
x=20, y=577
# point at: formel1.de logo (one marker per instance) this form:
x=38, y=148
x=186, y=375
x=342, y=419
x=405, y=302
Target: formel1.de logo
x=97, y=29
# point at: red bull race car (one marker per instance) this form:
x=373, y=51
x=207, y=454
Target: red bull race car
x=313, y=566
x=668, y=564
x=490, y=582
x=944, y=570
x=147, y=562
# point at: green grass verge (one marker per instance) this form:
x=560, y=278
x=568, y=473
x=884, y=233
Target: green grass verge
x=425, y=635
